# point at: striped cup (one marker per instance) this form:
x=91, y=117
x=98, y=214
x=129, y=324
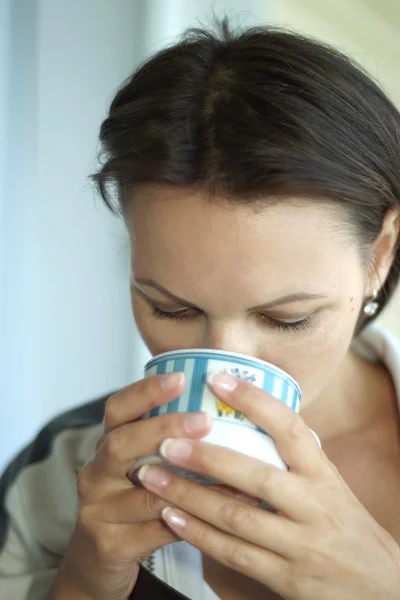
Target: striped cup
x=231, y=428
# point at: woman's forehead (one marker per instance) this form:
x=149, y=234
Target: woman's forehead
x=184, y=238
x=189, y=221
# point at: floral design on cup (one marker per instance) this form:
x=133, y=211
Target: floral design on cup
x=224, y=410
x=241, y=374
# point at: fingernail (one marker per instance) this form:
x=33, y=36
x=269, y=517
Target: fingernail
x=175, y=449
x=316, y=438
x=153, y=476
x=172, y=517
x=172, y=380
x=223, y=382
x=197, y=422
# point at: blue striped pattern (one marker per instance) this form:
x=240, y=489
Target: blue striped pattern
x=285, y=390
x=161, y=367
x=185, y=396
x=268, y=383
x=272, y=371
x=274, y=382
x=179, y=365
x=291, y=401
x=198, y=381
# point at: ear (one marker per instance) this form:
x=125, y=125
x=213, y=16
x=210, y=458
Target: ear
x=383, y=251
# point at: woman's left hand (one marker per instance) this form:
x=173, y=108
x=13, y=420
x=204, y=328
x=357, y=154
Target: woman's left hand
x=320, y=543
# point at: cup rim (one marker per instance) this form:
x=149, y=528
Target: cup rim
x=227, y=353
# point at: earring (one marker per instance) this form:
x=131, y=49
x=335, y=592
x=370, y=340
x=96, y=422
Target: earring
x=371, y=306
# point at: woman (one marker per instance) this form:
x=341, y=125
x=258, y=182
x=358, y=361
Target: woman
x=258, y=174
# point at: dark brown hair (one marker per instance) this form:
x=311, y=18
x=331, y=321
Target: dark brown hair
x=257, y=113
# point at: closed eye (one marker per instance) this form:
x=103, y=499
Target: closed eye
x=183, y=313
x=300, y=325
x=190, y=313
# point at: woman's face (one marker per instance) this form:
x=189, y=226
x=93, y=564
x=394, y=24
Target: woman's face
x=281, y=283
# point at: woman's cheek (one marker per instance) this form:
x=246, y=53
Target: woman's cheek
x=315, y=363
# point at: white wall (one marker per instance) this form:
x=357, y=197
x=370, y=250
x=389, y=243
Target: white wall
x=4, y=73
x=165, y=19
x=68, y=333
x=68, y=329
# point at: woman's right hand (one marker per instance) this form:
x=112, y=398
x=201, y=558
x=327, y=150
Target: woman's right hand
x=119, y=524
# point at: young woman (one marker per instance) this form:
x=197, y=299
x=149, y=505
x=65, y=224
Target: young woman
x=258, y=174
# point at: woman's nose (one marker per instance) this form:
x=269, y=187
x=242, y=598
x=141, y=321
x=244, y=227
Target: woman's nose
x=231, y=337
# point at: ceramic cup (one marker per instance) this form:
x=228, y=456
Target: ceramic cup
x=231, y=429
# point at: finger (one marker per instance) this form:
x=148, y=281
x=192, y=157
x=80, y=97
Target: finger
x=141, y=397
x=262, y=528
x=123, y=507
x=262, y=565
x=234, y=493
x=149, y=537
x=121, y=447
x=127, y=542
x=283, y=490
x=295, y=442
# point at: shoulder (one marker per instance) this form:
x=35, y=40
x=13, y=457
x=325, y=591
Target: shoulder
x=378, y=345
x=38, y=488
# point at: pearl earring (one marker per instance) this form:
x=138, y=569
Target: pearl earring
x=371, y=306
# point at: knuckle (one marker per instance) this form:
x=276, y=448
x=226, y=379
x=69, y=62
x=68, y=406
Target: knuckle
x=319, y=561
x=238, y=557
x=99, y=442
x=151, y=388
x=142, y=386
x=296, y=426
x=153, y=395
x=113, y=445
x=108, y=545
x=84, y=483
x=316, y=549
x=236, y=517
x=268, y=483
x=111, y=412
x=87, y=521
x=329, y=519
x=171, y=425
x=152, y=503
x=165, y=426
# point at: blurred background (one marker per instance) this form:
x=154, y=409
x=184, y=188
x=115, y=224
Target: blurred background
x=66, y=332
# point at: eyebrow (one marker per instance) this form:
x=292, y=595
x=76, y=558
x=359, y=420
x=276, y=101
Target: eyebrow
x=295, y=297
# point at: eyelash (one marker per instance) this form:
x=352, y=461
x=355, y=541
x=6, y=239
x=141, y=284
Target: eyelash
x=275, y=324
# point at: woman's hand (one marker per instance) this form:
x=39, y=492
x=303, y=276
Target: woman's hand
x=118, y=524
x=321, y=542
